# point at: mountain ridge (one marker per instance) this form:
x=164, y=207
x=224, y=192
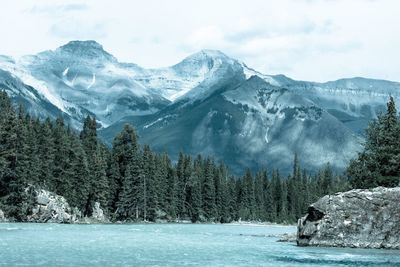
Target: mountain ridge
x=80, y=78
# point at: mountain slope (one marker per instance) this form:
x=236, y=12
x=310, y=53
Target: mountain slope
x=27, y=96
x=250, y=123
x=81, y=78
x=355, y=101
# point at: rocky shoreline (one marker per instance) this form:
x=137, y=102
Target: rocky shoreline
x=368, y=218
x=52, y=208
x=48, y=207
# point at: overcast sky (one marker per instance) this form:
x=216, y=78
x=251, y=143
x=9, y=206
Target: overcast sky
x=305, y=39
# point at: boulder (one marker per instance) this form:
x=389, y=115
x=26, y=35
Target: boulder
x=52, y=208
x=2, y=217
x=98, y=215
x=49, y=207
x=360, y=218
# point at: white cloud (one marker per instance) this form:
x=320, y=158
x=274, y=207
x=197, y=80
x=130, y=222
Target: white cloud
x=305, y=39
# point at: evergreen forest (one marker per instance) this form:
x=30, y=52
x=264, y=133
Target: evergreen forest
x=133, y=183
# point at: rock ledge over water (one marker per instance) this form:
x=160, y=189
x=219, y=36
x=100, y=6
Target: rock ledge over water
x=358, y=218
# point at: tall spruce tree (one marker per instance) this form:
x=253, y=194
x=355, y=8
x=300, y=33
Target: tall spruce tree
x=379, y=162
x=125, y=150
x=208, y=191
x=96, y=181
x=11, y=184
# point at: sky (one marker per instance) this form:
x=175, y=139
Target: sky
x=318, y=40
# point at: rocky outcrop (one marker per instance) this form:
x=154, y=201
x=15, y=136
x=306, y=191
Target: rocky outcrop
x=2, y=217
x=98, y=215
x=52, y=208
x=357, y=218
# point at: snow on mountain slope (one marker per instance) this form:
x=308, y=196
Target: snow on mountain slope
x=191, y=78
x=21, y=93
x=25, y=76
x=250, y=123
x=354, y=101
x=208, y=103
x=279, y=123
x=80, y=78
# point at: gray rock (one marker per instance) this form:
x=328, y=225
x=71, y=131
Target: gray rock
x=98, y=215
x=52, y=208
x=2, y=217
x=288, y=237
x=358, y=218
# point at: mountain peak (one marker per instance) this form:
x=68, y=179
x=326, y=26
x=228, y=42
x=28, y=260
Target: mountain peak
x=209, y=54
x=88, y=44
x=89, y=48
x=204, y=58
x=212, y=53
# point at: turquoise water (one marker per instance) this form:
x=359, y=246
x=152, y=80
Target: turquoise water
x=170, y=245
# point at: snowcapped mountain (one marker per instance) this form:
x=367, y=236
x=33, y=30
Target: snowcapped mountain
x=208, y=103
x=198, y=72
x=249, y=123
x=80, y=78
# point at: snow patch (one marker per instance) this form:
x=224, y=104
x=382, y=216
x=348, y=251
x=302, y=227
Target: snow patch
x=266, y=135
x=156, y=121
x=347, y=222
x=93, y=81
x=65, y=72
x=248, y=72
x=26, y=77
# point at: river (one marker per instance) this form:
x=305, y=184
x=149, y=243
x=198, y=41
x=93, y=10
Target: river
x=170, y=245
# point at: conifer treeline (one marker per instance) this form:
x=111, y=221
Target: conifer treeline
x=133, y=183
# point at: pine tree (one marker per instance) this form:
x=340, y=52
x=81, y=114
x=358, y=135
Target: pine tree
x=247, y=210
x=283, y=212
x=162, y=164
x=76, y=173
x=270, y=205
x=194, y=192
x=232, y=199
x=276, y=192
x=11, y=185
x=151, y=185
x=114, y=182
x=379, y=163
x=259, y=187
x=100, y=187
x=96, y=154
x=125, y=150
x=60, y=182
x=46, y=153
x=172, y=193
x=208, y=191
x=131, y=205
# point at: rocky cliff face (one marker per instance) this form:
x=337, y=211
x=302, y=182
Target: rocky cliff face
x=357, y=218
x=52, y=208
